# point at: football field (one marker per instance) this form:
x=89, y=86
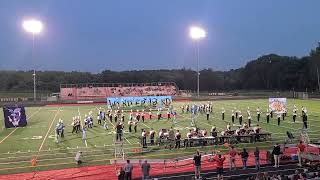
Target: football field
x=37, y=139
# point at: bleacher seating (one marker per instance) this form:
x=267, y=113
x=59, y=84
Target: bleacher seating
x=96, y=91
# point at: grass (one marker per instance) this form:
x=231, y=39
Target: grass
x=37, y=139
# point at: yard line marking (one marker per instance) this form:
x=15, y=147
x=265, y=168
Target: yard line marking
x=127, y=140
x=18, y=127
x=8, y=135
x=49, y=129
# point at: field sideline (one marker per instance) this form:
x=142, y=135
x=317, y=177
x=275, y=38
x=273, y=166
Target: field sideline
x=38, y=137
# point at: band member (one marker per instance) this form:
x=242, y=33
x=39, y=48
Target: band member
x=138, y=115
x=110, y=117
x=240, y=118
x=279, y=117
x=131, y=115
x=150, y=114
x=232, y=116
x=222, y=113
x=228, y=127
x=168, y=114
x=178, y=138
x=119, y=128
x=305, y=119
x=271, y=113
x=135, y=123
x=257, y=130
x=294, y=113
x=283, y=115
x=142, y=115
x=214, y=132
x=122, y=116
x=152, y=133
x=258, y=114
x=208, y=114
x=249, y=120
x=245, y=126
x=188, y=141
x=268, y=115
x=237, y=112
x=60, y=128
x=144, y=139
x=73, y=124
x=130, y=123
x=159, y=115
x=99, y=117
x=115, y=117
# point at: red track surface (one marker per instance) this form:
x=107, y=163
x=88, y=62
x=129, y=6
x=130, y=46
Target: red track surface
x=109, y=171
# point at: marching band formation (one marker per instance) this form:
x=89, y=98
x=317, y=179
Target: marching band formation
x=236, y=127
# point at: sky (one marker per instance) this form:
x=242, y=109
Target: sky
x=82, y=35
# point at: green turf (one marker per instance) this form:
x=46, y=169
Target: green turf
x=18, y=148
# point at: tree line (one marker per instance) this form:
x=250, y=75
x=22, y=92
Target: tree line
x=268, y=72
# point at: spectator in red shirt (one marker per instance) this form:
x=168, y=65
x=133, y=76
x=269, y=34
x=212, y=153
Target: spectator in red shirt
x=220, y=161
x=300, y=151
x=232, y=158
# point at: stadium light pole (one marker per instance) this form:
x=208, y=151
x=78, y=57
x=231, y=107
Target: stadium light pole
x=34, y=27
x=197, y=33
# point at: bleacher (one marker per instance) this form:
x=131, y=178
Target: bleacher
x=103, y=90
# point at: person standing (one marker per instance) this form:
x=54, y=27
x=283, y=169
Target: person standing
x=300, y=151
x=145, y=169
x=152, y=133
x=232, y=158
x=150, y=114
x=232, y=117
x=257, y=158
x=121, y=174
x=244, y=157
x=178, y=139
x=258, y=114
x=276, y=155
x=294, y=114
x=279, y=118
x=208, y=114
x=249, y=120
x=142, y=115
x=197, y=165
x=240, y=118
x=219, y=160
x=144, y=139
x=78, y=158
x=135, y=123
x=222, y=113
x=128, y=170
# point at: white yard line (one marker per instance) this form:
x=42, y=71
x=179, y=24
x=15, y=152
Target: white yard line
x=127, y=140
x=49, y=129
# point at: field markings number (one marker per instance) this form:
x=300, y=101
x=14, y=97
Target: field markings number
x=18, y=127
x=49, y=129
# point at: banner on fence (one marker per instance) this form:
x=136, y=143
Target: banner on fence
x=278, y=105
x=14, y=116
x=140, y=101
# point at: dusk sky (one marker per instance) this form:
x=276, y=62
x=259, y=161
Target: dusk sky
x=94, y=35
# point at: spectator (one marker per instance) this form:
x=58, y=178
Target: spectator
x=197, y=165
x=300, y=151
x=244, y=157
x=121, y=174
x=220, y=161
x=232, y=158
x=78, y=158
x=296, y=175
x=128, y=170
x=145, y=168
x=276, y=154
x=257, y=158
